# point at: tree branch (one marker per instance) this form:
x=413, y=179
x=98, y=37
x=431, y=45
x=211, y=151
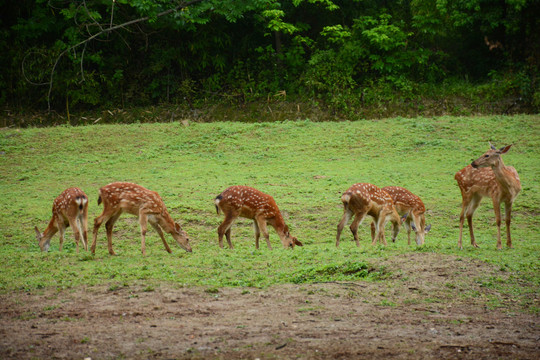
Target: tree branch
x=108, y=30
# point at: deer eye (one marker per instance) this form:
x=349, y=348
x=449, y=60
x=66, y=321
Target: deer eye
x=486, y=156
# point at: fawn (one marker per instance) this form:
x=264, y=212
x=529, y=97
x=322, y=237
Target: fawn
x=487, y=176
x=412, y=209
x=367, y=199
x=119, y=197
x=247, y=202
x=70, y=208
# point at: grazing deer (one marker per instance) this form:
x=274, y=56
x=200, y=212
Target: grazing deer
x=70, y=208
x=487, y=176
x=147, y=205
x=412, y=209
x=250, y=203
x=367, y=199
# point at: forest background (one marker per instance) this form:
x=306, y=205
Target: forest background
x=322, y=58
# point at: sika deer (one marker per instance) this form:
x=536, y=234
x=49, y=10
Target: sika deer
x=412, y=209
x=70, y=208
x=366, y=199
x=147, y=205
x=250, y=203
x=487, y=176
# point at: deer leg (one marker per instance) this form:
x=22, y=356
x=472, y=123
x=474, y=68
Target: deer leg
x=84, y=223
x=407, y=225
x=109, y=225
x=228, y=237
x=97, y=223
x=61, y=231
x=497, y=209
x=381, y=222
x=257, y=234
x=354, y=226
x=261, y=222
x=225, y=229
x=143, y=222
x=82, y=236
x=473, y=205
x=395, y=230
x=373, y=230
x=76, y=231
x=508, y=219
x=344, y=220
x=160, y=233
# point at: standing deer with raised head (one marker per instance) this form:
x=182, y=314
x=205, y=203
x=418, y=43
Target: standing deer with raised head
x=412, y=209
x=250, y=203
x=70, y=208
x=487, y=176
x=119, y=197
x=367, y=199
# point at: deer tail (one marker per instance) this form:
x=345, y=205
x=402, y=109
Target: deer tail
x=345, y=198
x=81, y=201
x=217, y=201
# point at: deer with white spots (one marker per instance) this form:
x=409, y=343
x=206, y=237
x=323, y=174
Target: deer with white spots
x=70, y=208
x=412, y=209
x=119, y=197
x=250, y=203
x=364, y=199
x=487, y=176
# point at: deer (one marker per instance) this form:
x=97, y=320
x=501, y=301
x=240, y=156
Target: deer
x=364, y=199
x=412, y=210
x=487, y=176
x=147, y=205
x=247, y=202
x=70, y=208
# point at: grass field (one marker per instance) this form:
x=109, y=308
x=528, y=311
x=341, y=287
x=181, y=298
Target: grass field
x=304, y=165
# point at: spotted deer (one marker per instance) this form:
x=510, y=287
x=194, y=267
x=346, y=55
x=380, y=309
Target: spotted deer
x=487, y=176
x=250, y=203
x=119, y=197
x=412, y=209
x=367, y=199
x=70, y=208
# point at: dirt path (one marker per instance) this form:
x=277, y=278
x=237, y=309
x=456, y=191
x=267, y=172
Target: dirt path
x=424, y=310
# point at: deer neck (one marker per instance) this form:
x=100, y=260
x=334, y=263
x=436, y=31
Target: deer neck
x=165, y=222
x=505, y=178
x=50, y=230
x=279, y=225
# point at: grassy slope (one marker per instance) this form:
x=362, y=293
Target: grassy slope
x=304, y=165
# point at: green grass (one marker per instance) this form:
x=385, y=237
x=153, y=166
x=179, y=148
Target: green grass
x=304, y=165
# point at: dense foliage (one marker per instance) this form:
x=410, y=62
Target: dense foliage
x=60, y=54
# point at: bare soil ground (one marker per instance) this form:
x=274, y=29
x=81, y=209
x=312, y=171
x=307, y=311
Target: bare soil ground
x=431, y=306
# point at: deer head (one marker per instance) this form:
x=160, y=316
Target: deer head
x=181, y=237
x=491, y=158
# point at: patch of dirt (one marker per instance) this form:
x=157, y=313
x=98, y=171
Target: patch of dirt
x=431, y=306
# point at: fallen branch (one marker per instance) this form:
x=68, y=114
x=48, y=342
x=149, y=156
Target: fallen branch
x=339, y=283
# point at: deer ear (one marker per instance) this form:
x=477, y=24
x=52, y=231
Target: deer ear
x=491, y=146
x=505, y=149
x=428, y=228
x=296, y=242
x=177, y=227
